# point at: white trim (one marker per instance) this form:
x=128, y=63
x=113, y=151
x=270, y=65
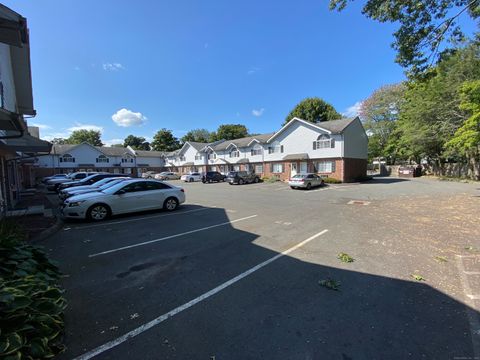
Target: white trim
x=250, y=143
x=300, y=120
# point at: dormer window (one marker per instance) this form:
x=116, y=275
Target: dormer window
x=127, y=159
x=275, y=148
x=234, y=153
x=103, y=159
x=323, y=142
x=67, y=158
x=257, y=150
x=182, y=158
x=212, y=156
x=198, y=156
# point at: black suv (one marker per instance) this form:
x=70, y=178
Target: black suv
x=89, y=180
x=211, y=176
x=242, y=177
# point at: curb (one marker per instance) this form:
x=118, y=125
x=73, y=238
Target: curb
x=48, y=232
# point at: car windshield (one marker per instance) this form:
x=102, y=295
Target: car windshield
x=299, y=176
x=109, y=184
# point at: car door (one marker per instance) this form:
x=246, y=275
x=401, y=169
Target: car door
x=155, y=194
x=128, y=198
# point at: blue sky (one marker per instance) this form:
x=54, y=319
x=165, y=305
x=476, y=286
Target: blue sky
x=197, y=64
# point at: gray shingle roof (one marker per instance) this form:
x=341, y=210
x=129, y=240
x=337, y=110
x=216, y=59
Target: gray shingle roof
x=198, y=145
x=242, y=142
x=149, y=153
x=107, y=150
x=336, y=126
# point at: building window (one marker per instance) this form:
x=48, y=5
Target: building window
x=213, y=168
x=325, y=166
x=67, y=158
x=234, y=153
x=127, y=159
x=323, y=142
x=182, y=158
x=212, y=156
x=275, y=148
x=277, y=168
x=258, y=169
x=198, y=157
x=236, y=167
x=102, y=159
x=256, y=152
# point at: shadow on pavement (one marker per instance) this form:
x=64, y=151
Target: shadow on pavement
x=278, y=312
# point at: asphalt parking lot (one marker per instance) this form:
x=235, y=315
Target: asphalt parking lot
x=235, y=273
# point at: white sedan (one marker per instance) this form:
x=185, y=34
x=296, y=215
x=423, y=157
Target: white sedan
x=125, y=197
x=191, y=177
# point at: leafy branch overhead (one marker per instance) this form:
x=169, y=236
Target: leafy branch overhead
x=425, y=26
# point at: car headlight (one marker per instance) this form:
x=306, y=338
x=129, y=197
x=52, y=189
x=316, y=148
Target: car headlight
x=75, y=203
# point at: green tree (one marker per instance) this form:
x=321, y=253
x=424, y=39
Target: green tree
x=313, y=110
x=164, y=140
x=93, y=137
x=466, y=140
x=58, y=141
x=424, y=25
x=117, y=145
x=197, y=135
x=379, y=113
x=136, y=142
x=229, y=132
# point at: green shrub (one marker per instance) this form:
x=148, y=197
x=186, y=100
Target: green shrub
x=329, y=180
x=31, y=303
x=270, y=179
x=10, y=233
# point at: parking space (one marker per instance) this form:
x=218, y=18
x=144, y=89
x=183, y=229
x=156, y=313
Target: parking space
x=235, y=274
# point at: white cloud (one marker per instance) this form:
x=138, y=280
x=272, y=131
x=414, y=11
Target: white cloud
x=353, y=110
x=253, y=70
x=112, y=142
x=41, y=126
x=79, y=126
x=127, y=118
x=258, y=112
x=113, y=66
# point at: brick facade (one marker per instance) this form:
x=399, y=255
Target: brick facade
x=354, y=169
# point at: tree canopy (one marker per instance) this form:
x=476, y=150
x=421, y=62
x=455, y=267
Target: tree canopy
x=197, y=135
x=313, y=110
x=229, y=132
x=164, y=140
x=424, y=25
x=136, y=142
x=93, y=137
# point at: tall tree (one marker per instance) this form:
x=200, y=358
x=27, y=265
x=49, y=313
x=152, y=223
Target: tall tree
x=58, y=141
x=92, y=137
x=164, y=140
x=230, y=132
x=424, y=25
x=466, y=140
x=197, y=135
x=379, y=113
x=313, y=110
x=136, y=142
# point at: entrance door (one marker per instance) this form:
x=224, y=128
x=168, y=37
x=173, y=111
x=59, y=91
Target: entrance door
x=293, y=169
x=303, y=167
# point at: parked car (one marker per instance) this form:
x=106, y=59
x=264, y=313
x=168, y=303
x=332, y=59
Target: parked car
x=148, y=175
x=99, y=185
x=52, y=184
x=127, y=196
x=166, y=175
x=191, y=177
x=306, y=181
x=242, y=177
x=89, y=180
x=212, y=176
x=56, y=176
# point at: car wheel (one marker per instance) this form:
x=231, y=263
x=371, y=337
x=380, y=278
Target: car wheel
x=292, y=187
x=309, y=186
x=240, y=182
x=256, y=180
x=170, y=204
x=190, y=180
x=98, y=212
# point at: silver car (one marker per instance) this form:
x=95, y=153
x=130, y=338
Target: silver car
x=167, y=175
x=305, y=181
x=98, y=186
x=125, y=197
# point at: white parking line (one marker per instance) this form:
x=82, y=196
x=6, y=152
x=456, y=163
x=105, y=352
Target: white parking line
x=162, y=318
x=171, y=236
x=137, y=219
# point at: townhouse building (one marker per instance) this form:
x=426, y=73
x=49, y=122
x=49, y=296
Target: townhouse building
x=336, y=149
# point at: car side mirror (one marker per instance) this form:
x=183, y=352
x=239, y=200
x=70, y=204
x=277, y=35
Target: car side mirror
x=120, y=192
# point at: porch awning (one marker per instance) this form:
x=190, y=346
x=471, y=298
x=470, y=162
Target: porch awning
x=243, y=161
x=187, y=164
x=221, y=162
x=29, y=144
x=302, y=156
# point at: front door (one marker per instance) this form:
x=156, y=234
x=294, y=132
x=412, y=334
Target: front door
x=293, y=171
x=303, y=167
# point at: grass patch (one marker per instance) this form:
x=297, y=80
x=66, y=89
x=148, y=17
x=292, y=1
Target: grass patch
x=329, y=180
x=330, y=284
x=270, y=179
x=418, y=277
x=441, y=258
x=344, y=257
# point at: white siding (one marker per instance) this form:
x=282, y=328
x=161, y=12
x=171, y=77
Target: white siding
x=6, y=76
x=356, y=141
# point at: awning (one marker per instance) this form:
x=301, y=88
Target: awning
x=221, y=161
x=29, y=144
x=243, y=161
x=302, y=156
x=188, y=164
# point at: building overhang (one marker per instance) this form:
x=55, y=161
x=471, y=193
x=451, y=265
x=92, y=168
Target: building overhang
x=28, y=144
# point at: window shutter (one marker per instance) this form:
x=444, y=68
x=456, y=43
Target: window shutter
x=61, y=159
x=314, y=145
x=271, y=167
x=281, y=148
x=251, y=152
x=332, y=143
x=269, y=149
x=73, y=159
x=96, y=160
